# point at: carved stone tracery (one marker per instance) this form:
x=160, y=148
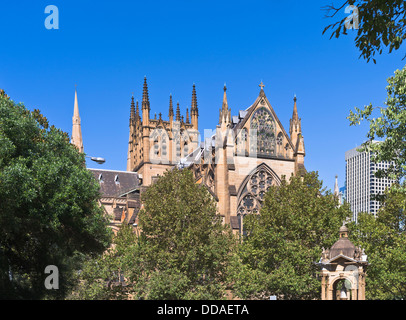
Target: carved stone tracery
x=253, y=193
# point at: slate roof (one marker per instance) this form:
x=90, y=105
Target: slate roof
x=114, y=183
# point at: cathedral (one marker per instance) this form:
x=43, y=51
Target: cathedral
x=237, y=162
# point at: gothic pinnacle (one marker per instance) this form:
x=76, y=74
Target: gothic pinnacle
x=137, y=111
x=193, y=107
x=132, y=109
x=170, y=106
x=145, y=98
x=177, y=113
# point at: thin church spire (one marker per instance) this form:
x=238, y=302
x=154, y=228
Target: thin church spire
x=76, y=126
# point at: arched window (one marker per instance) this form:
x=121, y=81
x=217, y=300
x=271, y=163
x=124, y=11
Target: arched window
x=252, y=191
x=158, y=140
x=264, y=124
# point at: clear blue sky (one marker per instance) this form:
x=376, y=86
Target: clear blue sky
x=107, y=47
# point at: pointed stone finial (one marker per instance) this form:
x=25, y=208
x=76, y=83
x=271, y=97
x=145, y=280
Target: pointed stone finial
x=225, y=111
x=295, y=115
x=170, y=106
x=137, y=111
x=225, y=103
x=177, y=112
x=145, y=97
x=187, y=115
x=132, y=110
x=193, y=107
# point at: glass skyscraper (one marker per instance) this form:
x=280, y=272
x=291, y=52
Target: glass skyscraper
x=361, y=183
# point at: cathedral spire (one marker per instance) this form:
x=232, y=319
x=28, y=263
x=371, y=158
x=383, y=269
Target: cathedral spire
x=336, y=189
x=76, y=127
x=187, y=115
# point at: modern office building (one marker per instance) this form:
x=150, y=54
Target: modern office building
x=361, y=183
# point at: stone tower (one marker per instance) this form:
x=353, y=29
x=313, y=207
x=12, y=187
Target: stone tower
x=156, y=145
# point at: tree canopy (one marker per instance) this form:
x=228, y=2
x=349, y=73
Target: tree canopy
x=180, y=249
x=388, y=126
x=380, y=24
x=283, y=242
x=384, y=241
x=48, y=204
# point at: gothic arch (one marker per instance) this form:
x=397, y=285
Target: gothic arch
x=159, y=140
x=252, y=190
x=336, y=286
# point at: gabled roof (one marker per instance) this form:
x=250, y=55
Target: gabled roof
x=114, y=183
x=342, y=257
x=250, y=110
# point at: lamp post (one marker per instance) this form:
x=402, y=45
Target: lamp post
x=99, y=160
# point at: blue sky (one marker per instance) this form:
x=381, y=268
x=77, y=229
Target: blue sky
x=107, y=48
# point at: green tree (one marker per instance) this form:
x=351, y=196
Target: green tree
x=388, y=126
x=182, y=252
x=283, y=243
x=101, y=278
x=381, y=24
x=384, y=241
x=48, y=205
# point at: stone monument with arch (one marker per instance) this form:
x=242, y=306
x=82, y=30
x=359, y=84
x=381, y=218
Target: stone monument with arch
x=343, y=270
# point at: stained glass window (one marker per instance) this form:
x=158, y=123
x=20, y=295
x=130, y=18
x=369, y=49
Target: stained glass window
x=263, y=122
x=253, y=193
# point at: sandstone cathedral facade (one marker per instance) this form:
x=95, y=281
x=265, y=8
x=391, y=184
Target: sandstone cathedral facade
x=237, y=161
